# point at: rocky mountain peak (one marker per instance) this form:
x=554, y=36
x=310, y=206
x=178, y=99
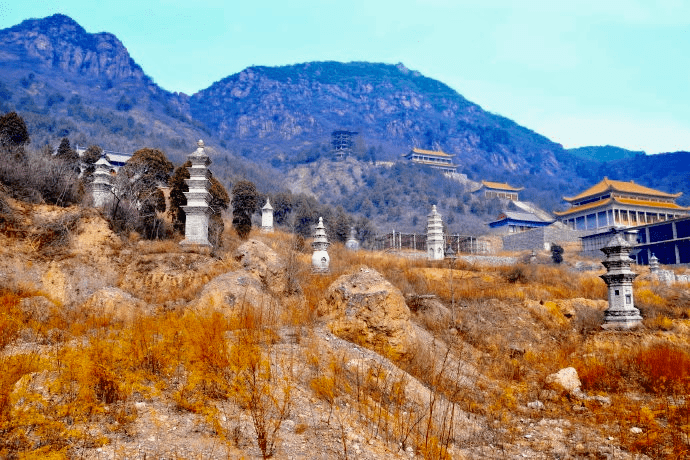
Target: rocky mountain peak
x=61, y=43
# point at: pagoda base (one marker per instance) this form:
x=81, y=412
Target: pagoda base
x=622, y=319
x=196, y=230
x=187, y=242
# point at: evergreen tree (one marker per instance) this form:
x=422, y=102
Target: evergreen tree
x=245, y=200
x=67, y=155
x=13, y=134
x=556, y=253
x=341, y=225
x=89, y=158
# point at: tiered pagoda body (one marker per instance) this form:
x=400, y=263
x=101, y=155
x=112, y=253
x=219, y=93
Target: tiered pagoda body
x=101, y=187
x=197, y=210
x=320, y=260
x=621, y=313
x=434, y=235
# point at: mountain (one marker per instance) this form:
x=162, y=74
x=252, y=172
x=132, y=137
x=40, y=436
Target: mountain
x=66, y=82
x=604, y=153
x=268, y=124
x=277, y=110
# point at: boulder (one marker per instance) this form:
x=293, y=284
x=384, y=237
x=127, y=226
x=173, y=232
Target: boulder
x=116, y=304
x=232, y=291
x=364, y=308
x=264, y=263
x=565, y=381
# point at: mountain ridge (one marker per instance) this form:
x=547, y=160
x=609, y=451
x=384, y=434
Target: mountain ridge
x=263, y=121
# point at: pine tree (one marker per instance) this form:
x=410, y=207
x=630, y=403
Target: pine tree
x=245, y=200
x=13, y=134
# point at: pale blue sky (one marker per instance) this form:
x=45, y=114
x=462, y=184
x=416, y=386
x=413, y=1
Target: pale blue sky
x=581, y=72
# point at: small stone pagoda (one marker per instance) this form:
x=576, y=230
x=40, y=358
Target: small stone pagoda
x=352, y=243
x=102, y=184
x=320, y=260
x=267, y=217
x=434, y=235
x=621, y=313
x=197, y=210
x=654, y=265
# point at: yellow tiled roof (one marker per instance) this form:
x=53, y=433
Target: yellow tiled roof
x=501, y=186
x=654, y=204
x=432, y=152
x=629, y=187
x=574, y=209
x=602, y=203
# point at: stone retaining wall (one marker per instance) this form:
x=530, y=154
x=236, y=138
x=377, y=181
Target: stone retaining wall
x=540, y=238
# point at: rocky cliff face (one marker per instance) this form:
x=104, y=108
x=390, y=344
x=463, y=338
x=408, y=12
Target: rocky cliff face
x=388, y=105
x=59, y=42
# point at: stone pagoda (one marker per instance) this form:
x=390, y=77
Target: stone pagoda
x=654, y=265
x=197, y=210
x=434, y=235
x=102, y=184
x=352, y=244
x=267, y=217
x=621, y=313
x=320, y=260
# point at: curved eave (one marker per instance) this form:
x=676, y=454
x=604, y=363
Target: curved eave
x=626, y=201
x=501, y=186
x=619, y=186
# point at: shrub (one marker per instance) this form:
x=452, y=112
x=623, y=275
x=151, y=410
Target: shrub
x=664, y=369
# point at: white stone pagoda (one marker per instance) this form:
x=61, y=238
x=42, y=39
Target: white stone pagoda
x=434, y=235
x=267, y=217
x=352, y=243
x=320, y=260
x=102, y=184
x=197, y=210
x=621, y=313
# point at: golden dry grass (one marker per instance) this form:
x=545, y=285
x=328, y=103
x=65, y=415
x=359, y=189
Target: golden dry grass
x=97, y=362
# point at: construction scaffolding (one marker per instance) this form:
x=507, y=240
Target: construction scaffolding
x=398, y=241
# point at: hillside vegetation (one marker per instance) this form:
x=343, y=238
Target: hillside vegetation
x=263, y=123
x=131, y=348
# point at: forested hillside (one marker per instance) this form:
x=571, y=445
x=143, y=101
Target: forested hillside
x=269, y=124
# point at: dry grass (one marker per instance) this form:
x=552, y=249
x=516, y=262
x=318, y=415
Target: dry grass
x=508, y=324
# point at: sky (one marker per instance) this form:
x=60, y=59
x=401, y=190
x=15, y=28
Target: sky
x=580, y=72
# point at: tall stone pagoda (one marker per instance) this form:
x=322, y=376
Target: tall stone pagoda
x=102, y=184
x=320, y=260
x=621, y=313
x=197, y=210
x=434, y=235
x=267, y=217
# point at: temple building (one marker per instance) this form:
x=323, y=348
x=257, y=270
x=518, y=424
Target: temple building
x=612, y=203
x=435, y=159
x=498, y=190
x=516, y=221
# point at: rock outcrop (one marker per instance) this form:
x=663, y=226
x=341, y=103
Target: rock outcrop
x=116, y=304
x=363, y=307
x=264, y=263
x=566, y=380
x=58, y=41
x=264, y=284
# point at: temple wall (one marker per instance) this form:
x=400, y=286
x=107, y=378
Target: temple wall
x=540, y=238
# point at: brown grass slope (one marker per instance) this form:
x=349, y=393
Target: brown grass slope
x=110, y=348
